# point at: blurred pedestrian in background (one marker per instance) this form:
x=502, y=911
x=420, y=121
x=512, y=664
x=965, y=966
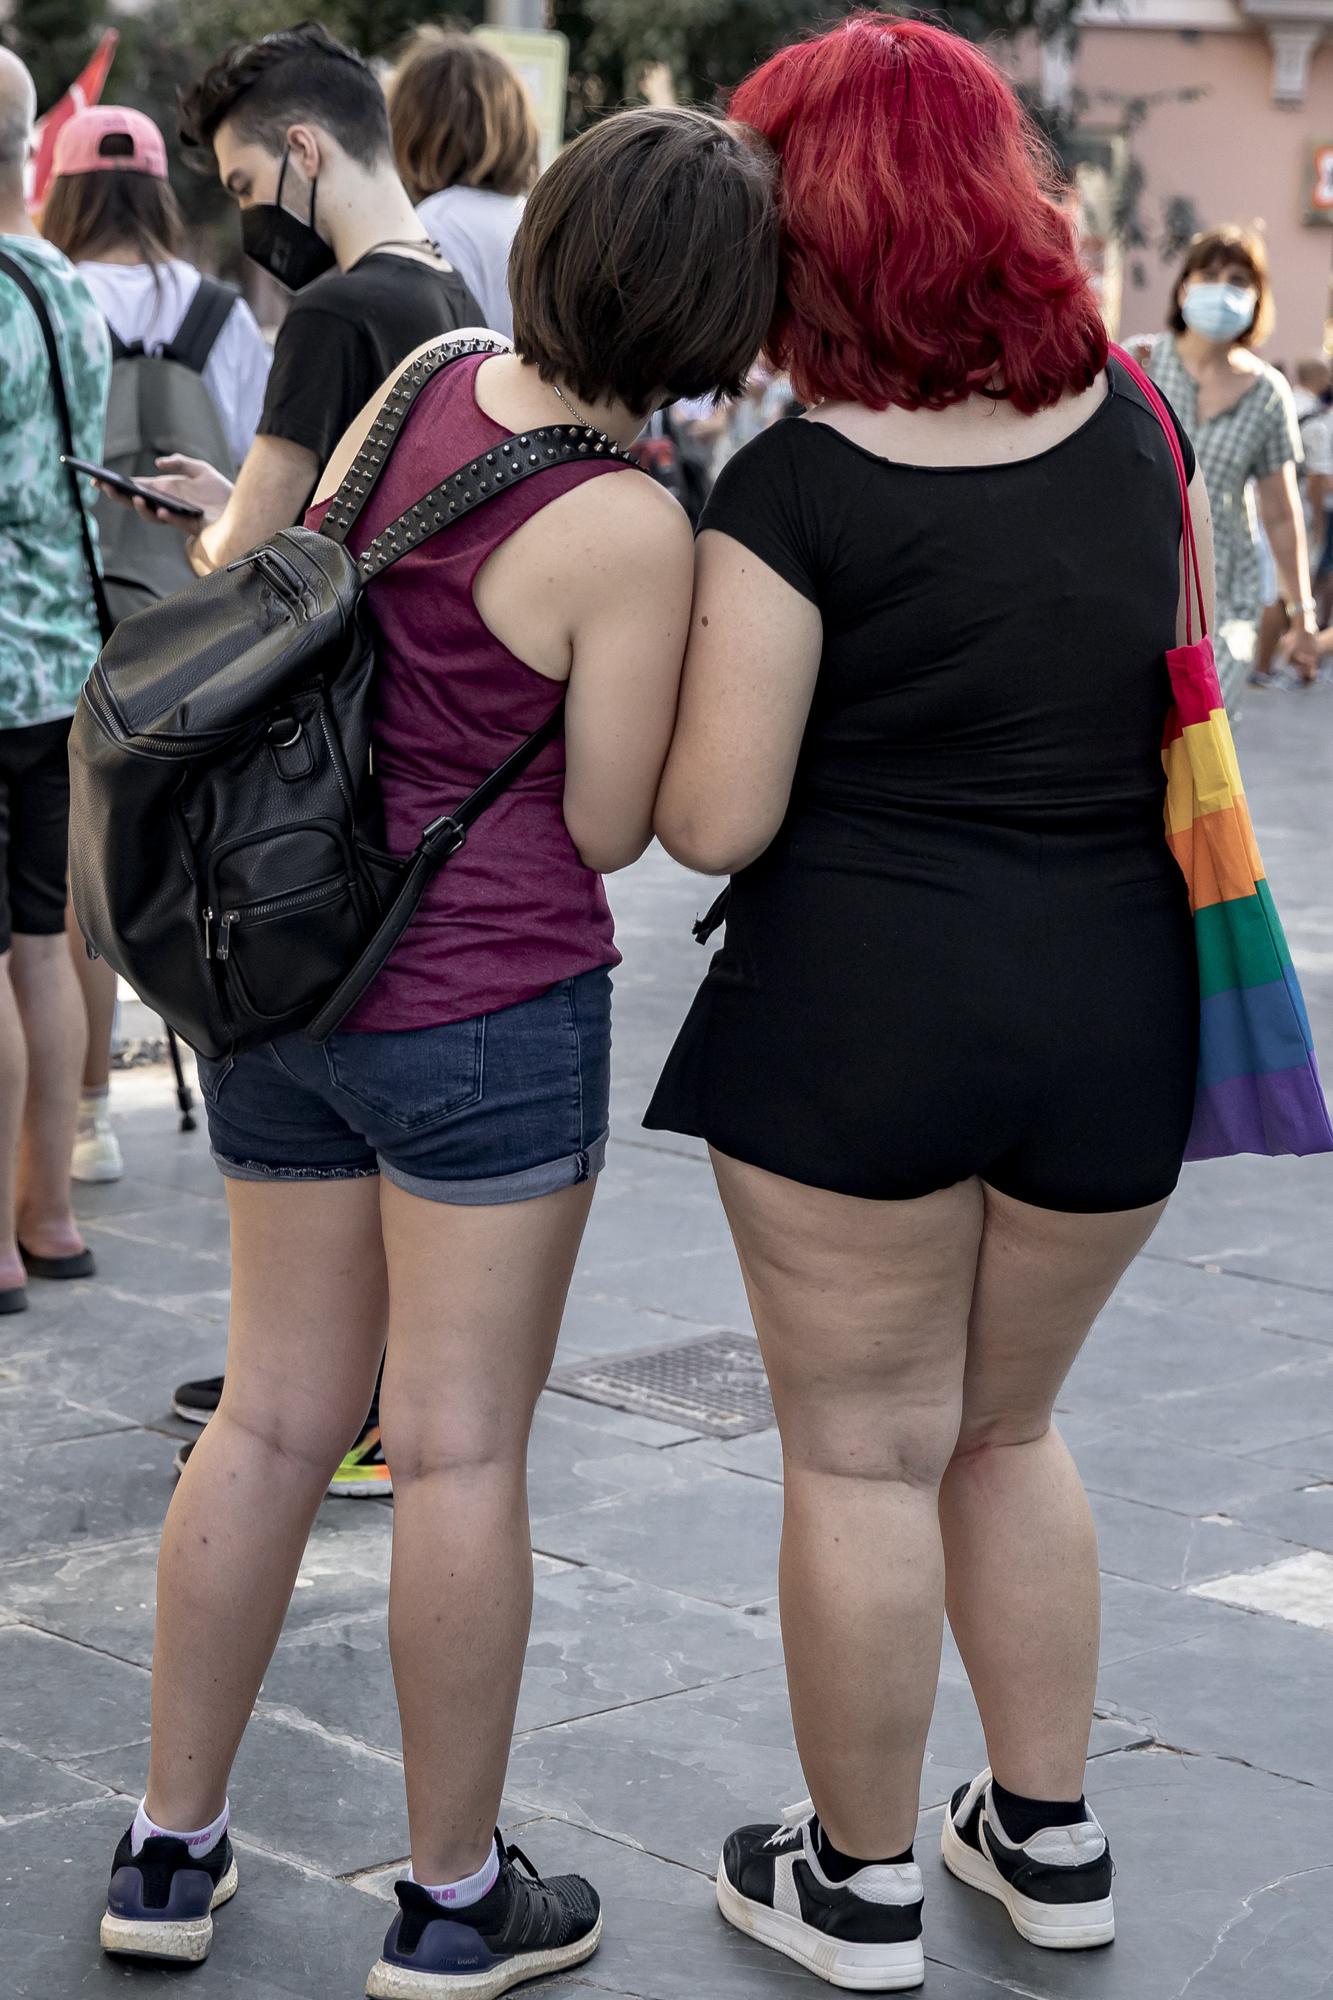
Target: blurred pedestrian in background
x=389, y=1179
x=465, y=138
x=188, y=375
x=946, y=1059
x=1239, y=413
x=299, y=133
x=49, y=639
x=1314, y=410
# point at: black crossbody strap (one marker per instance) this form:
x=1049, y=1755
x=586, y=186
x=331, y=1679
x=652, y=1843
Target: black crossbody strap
x=359, y=480
x=442, y=838
x=33, y=293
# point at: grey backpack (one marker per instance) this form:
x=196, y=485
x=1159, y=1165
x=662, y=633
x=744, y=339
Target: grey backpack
x=159, y=404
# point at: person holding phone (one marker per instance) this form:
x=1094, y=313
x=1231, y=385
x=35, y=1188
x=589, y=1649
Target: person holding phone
x=48, y=643
x=299, y=132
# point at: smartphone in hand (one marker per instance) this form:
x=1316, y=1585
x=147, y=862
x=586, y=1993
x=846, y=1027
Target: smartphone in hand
x=118, y=482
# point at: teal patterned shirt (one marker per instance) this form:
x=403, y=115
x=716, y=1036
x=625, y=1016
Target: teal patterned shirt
x=48, y=627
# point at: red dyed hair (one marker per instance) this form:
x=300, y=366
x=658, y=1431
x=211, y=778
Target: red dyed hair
x=924, y=257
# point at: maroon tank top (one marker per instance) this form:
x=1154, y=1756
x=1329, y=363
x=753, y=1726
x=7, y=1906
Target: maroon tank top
x=515, y=910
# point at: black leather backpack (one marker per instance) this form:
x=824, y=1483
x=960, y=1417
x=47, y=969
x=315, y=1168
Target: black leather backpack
x=226, y=849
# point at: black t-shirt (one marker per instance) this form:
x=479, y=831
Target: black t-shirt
x=993, y=636
x=345, y=333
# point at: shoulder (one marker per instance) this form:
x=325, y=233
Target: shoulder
x=625, y=516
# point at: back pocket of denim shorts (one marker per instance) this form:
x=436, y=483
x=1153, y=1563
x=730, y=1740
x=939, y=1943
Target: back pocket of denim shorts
x=411, y=1078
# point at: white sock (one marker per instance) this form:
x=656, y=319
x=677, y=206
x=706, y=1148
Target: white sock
x=199, y=1843
x=457, y=1895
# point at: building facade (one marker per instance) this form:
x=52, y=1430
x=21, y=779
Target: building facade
x=1190, y=113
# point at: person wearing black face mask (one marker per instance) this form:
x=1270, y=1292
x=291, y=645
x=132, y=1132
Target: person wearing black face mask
x=298, y=130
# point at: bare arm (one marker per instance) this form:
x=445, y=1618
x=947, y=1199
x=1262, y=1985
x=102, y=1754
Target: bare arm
x=627, y=636
x=1284, y=524
x=750, y=670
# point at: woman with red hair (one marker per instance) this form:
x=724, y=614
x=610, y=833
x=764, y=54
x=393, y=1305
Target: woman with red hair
x=946, y=1061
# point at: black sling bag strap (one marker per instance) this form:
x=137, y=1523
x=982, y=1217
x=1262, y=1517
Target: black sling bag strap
x=32, y=292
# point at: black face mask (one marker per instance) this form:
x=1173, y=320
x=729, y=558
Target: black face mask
x=290, y=250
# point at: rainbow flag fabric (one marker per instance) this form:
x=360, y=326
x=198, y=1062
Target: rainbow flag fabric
x=1259, y=1089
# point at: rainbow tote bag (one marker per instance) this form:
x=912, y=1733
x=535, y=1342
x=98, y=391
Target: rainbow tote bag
x=1259, y=1088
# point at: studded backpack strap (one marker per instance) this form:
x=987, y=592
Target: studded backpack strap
x=359, y=482
x=488, y=475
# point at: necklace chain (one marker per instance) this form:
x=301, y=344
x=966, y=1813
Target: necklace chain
x=577, y=413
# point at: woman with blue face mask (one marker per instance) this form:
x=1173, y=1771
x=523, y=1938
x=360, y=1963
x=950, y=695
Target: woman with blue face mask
x=1242, y=422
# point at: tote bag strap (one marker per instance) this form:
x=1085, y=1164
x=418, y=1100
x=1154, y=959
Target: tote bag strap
x=1152, y=396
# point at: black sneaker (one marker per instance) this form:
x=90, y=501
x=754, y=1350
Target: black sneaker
x=1056, y=1886
x=196, y=1402
x=522, y=1927
x=864, y=1934
x=161, y=1900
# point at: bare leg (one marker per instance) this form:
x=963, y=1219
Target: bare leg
x=97, y=983
x=1023, y=1593
x=13, y=1090
x=477, y=1296
x=56, y=1032
x=861, y=1309
x=307, y=1329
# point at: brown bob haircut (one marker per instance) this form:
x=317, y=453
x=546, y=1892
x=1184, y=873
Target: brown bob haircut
x=1212, y=252
x=460, y=117
x=646, y=263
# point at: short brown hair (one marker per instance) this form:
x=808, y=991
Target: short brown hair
x=646, y=262
x=1229, y=245
x=460, y=117
x=84, y=213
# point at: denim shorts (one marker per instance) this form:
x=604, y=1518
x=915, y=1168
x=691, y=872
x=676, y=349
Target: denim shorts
x=500, y=1108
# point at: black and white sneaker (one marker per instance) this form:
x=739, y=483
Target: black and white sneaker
x=196, y=1402
x=161, y=1900
x=863, y=1934
x=1056, y=1886
x=522, y=1928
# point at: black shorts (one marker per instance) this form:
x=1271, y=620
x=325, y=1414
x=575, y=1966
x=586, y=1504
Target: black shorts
x=34, y=829
x=949, y=1001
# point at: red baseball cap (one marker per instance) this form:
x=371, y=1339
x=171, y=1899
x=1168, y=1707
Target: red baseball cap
x=110, y=138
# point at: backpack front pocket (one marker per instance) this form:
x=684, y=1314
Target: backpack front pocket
x=284, y=916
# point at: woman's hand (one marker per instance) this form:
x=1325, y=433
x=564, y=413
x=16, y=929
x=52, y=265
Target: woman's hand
x=1303, y=646
x=196, y=484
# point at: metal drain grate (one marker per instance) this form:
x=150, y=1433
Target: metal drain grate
x=716, y=1385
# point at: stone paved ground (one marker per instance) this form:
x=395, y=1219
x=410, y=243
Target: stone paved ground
x=653, y=1714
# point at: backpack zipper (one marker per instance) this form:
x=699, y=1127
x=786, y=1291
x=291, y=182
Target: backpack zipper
x=322, y=892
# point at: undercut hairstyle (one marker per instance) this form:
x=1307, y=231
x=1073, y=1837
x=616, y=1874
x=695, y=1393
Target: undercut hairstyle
x=925, y=257
x=85, y=213
x=460, y=117
x=645, y=266
x=301, y=75
x=1208, y=256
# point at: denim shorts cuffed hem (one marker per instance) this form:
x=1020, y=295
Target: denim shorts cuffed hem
x=257, y=1170
x=498, y=1190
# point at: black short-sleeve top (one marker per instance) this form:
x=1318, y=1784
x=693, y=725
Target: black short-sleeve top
x=994, y=636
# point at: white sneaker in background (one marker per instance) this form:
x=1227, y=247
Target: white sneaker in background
x=96, y=1148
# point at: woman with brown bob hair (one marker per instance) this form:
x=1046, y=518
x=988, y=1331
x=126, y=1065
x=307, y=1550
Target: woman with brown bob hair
x=945, y=1062
x=419, y=1184
x=1242, y=422
x=465, y=139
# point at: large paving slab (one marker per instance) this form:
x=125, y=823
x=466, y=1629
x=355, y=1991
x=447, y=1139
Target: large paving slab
x=653, y=1714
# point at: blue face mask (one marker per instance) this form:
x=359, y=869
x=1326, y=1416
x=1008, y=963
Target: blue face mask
x=1219, y=312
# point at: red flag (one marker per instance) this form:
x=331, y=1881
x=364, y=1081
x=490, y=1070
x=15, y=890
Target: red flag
x=86, y=89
